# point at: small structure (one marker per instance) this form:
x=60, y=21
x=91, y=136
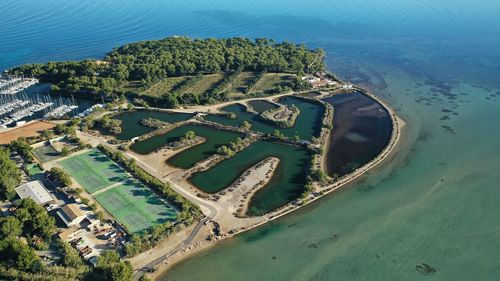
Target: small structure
x=347, y=86
x=320, y=83
x=67, y=234
x=36, y=191
x=311, y=79
x=71, y=214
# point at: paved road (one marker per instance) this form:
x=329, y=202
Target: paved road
x=183, y=245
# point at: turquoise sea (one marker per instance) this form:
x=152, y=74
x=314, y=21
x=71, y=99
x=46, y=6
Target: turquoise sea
x=435, y=205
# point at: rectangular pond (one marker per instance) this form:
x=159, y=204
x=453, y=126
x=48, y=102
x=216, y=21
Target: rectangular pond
x=261, y=105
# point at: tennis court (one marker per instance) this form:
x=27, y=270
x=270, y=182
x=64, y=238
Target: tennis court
x=46, y=153
x=135, y=206
x=93, y=170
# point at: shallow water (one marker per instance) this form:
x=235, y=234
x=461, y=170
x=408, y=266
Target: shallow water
x=435, y=62
x=362, y=128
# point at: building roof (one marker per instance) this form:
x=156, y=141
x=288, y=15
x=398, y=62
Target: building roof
x=72, y=211
x=69, y=213
x=320, y=83
x=36, y=191
x=67, y=233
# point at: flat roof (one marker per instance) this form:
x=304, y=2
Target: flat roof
x=36, y=191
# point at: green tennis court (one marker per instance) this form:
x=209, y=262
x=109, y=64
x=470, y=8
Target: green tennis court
x=135, y=206
x=93, y=170
x=33, y=169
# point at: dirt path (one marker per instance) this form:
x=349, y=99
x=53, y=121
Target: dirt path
x=30, y=129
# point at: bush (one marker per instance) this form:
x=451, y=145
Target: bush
x=60, y=176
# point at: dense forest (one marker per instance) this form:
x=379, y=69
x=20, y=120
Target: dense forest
x=149, y=61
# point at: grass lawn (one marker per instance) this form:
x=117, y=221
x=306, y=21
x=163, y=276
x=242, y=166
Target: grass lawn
x=271, y=80
x=205, y=84
x=136, y=206
x=93, y=170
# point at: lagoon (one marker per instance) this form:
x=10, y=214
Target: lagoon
x=132, y=128
x=361, y=130
x=214, y=138
x=307, y=124
x=286, y=184
x=437, y=202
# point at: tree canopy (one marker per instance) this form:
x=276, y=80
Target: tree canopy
x=111, y=268
x=10, y=174
x=149, y=61
x=17, y=254
x=34, y=219
x=60, y=176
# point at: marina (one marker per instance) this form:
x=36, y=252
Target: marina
x=61, y=108
x=14, y=85
x=16, y=109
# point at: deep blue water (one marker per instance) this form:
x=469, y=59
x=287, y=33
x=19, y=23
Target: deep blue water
x=436, y=62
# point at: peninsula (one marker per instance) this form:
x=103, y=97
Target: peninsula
x=192, y=141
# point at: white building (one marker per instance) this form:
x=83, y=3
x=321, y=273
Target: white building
x=36, y=191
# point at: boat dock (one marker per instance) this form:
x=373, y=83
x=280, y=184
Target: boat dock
x=14, y=85
x=15, y=109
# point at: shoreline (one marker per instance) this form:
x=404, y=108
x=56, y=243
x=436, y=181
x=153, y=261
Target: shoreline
x=389, y=150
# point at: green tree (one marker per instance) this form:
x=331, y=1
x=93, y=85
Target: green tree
x=279, y=135
x=47, y=134
x=22, y=147
x=60, y=129
x=130, y=106
x=318, y=175
x=172, y=101
x=245, y=125
x=65, y=151
x=70, y=256
x=14, y=252
x=225, y=151
x=60, y=176
x=111, y=268
x=10, y=227
x=149, y=61
x=35, y=219
x=134, y=246
x=145, y=278
x=10, y=175
x=190, y=135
